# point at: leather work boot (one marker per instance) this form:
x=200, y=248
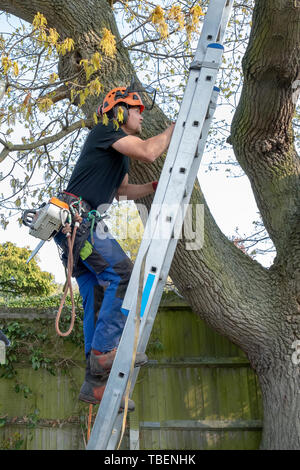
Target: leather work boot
x=92, y=390
x=101, y=364
x=92, y=393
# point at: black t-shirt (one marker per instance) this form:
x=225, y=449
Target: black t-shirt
x=100, y=169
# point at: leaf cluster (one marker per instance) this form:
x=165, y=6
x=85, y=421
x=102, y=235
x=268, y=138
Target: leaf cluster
x=19, y=278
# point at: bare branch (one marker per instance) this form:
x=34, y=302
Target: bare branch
x=48, y=140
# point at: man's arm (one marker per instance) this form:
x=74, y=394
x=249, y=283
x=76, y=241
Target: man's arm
x=145, y=150
x=134, y=191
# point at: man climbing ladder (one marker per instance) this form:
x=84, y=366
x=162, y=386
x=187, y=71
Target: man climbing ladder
x=173, y=192
x=100, y=174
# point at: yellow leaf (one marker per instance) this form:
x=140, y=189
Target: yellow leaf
x=120, y=116
x=69, y=44
x=53, y=77
x=108, y=43
x=43, y=36
x=66, y=46
x=6, y=64
x=95, y=87
x=95, y=117
x=39, y=21
x=44, y=104
x=81, y=98
x=159, y=19
x=88, y=68
x=196, y=12
x=157, y=15
x=73, y=92
x=105, y=119
x=16, y=69
x=163, y=29
x=176, y=14
x=96, y=61
x=53, y=36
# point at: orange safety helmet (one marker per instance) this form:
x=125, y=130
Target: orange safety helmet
x=120, y=95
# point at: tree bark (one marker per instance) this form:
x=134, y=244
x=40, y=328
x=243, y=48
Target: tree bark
x=281, y=403
x=256, y=308
x=262, y=133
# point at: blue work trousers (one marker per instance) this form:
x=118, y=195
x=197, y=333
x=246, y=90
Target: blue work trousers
x=103, y=280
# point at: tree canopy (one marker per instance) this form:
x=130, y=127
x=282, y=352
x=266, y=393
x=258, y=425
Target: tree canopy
x=19, y=278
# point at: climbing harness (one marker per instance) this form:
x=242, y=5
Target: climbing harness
x=94, y=216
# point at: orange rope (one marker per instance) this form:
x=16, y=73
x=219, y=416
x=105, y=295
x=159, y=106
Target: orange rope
x=67, y=231
x=89, y=422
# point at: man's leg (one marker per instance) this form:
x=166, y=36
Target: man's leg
x=92, y=295
x=111, y=320
x=102, y=339
x=92, y=292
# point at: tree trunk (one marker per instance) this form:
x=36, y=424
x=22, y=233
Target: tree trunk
x=256, y=308
x=281, y=403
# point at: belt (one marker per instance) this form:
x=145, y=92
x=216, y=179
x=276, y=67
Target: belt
x=70, y=198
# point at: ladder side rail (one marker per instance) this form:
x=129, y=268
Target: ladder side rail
x=216, y=20
x=214, y=26
x=187, y=150
x=225, y=21
x=213, y=30
x=217, y=15
x=120, y=371
x=215, y=23
x=114, y=390
x=154, y=302
x=110, y=405
x=149, y=318
x=116, y=433
x=185, y=153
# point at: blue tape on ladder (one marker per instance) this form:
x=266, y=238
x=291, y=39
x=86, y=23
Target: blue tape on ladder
x=125, y=311
x=216, y=45
x=145, y=296
x=146, y=293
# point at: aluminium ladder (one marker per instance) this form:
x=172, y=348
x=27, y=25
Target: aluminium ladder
x=168, y=208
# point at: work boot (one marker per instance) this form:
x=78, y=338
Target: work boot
x=93, y=393
x=92, y=390
x=101, y=364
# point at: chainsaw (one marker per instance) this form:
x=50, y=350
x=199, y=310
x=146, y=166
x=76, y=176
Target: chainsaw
x=46, y=221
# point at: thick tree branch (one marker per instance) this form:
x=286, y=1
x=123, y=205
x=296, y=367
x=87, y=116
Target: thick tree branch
x=42, y=142
x=262, y=134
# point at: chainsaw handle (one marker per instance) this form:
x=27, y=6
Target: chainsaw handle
x=27, y=217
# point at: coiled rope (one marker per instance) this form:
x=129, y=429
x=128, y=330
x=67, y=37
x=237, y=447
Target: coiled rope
x=67, y=230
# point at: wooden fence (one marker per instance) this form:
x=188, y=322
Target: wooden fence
x=197, y=392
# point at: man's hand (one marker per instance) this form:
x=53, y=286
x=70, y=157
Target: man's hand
x=154, y=185
x=135, y=191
